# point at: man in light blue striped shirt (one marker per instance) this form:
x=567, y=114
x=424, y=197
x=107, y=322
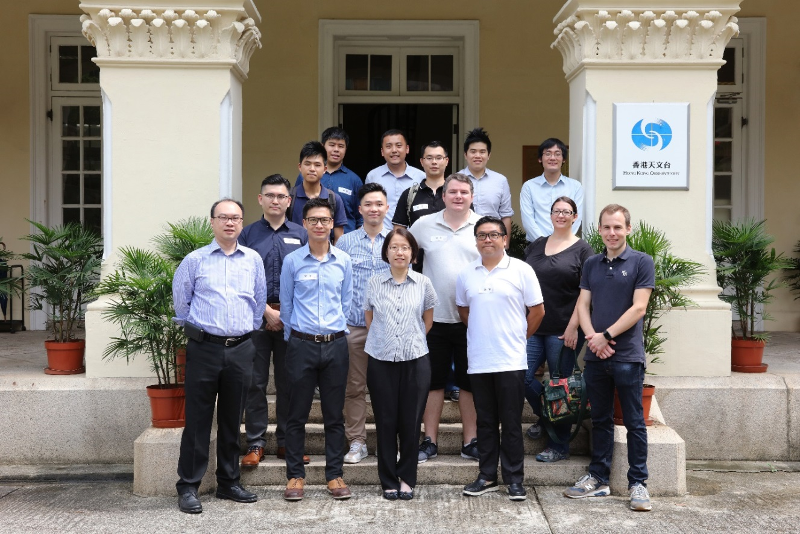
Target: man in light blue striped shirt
x=364, y=247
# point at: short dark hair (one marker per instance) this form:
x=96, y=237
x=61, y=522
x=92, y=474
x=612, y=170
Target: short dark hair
x=611, y=209
x=458, y=177
x=433, y=144
x=567, y=200
x=334, y=132
x=488, y=219
x=313, y=148
x=371, y=188
x=553, y=142
x=478, y=135
x=402, y=232
x=276, y=179
x=226, y=199
x=317, y=203
x=393, y=131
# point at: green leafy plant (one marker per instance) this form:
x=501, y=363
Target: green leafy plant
x=64, y=269
x=744, y=261
x=793, y=273
x=8, y=284
x=140, y=303
x=518, y=243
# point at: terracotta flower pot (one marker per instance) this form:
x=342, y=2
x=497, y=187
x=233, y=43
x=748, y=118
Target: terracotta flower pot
x=746, y=352
x=167, y=405
x=647, y=399
x=65, y=358
x=180, y=359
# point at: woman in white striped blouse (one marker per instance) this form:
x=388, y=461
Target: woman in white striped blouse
x=399, y=312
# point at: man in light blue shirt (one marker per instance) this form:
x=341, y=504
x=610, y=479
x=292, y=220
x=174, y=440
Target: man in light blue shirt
x=395, y=175
x=538, y=194
x=364, y=247
x=316, y=294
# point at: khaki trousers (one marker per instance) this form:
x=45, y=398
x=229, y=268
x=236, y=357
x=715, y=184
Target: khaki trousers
x=355, y=397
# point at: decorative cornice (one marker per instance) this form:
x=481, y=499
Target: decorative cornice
x=165, y=36
x=630, y=37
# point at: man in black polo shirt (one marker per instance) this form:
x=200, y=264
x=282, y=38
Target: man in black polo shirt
x=615, y=289
x=273, y=237
x=427, y=195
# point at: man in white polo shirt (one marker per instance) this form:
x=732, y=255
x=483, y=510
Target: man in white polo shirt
x=500, y=301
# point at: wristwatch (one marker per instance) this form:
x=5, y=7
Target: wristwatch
x=608, y=336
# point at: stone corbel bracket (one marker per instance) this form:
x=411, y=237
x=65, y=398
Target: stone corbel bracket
x=643, y=37
x=169, y=37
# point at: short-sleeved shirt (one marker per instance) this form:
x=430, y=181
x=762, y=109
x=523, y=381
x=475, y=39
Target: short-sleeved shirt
x=447, y=252
x=498, y=302
x=346, y=184
x=492, y=194
x=367, y=262
x=425, y=202
x=612, y=283
x=560, y=277
x=536, y=199
x=273, y=246
x=296, y=211
x=397, y=332
x=394, y=185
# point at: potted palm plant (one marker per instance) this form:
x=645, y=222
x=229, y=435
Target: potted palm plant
x=793, y=273
x=745, y=260
x=64, y=269
x=140, y=291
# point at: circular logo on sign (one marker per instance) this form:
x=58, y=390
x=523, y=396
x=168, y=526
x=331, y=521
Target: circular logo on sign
x=652, y=135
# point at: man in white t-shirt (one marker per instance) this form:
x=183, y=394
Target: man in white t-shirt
x=500, y=301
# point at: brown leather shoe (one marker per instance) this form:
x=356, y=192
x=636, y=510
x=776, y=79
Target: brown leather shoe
x=339, y=489
x=253, y=456
x=281, y=455
x=294, y=489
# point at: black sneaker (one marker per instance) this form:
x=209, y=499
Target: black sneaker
x=470, y=450
x=516, y=492
x=479, y=487
x=534, y=431
x=427, y=450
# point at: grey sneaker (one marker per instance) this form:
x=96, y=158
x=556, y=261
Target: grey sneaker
x=551, y=455
x=640, y=498
x=470, y=450
x=534, y=431
x=316, y=393
x=357, y=452
x=427, y=450
x=587, y=486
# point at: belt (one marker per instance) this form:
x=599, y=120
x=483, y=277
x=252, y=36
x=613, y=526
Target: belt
x=318, y=338
x=274, y=305
x=227, y=341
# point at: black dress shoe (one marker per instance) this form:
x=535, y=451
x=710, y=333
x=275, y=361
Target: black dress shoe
x=390, y=495
x=236, y=493
x=189, y=503
x=516, y=492
x=405, y=495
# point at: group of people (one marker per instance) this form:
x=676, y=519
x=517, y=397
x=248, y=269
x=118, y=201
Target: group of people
x=395, y=285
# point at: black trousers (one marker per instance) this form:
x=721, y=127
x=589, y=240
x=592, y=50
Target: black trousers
x=256, y=413
x=218, y=374
x=499, y=398
x=398, y=406
x=307, y=364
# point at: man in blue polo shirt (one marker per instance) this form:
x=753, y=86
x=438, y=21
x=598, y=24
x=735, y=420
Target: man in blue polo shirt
x=339, y=178
x=273, y=237
x=615, y=289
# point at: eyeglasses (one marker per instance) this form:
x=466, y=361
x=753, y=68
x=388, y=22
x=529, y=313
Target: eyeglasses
x=401, y=248
x=313, y=221
x=224, y=219
x=494, y=236
x=565, y=213
x=434, y=158
x=273, y=196
x=556, y=154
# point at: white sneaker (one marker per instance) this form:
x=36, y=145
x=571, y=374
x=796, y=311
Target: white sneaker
x=358, y=451
x=640, y=498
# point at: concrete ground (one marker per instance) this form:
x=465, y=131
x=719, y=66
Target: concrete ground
x=745, y=497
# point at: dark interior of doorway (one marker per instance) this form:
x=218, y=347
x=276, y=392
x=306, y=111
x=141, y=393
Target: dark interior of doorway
x=365, y=123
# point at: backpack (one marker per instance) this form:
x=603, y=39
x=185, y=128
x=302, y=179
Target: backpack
x=293, y=195
x=564, y=399
x=412, y=194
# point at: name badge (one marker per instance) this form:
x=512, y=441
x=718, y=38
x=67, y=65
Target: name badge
x=486, y=290
x=419, y=207
x=345, y=191
x=308, y=276
x=438, y=238
x=291, y=240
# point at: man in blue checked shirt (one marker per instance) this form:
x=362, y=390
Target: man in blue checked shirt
x=219, y=294
x=364, y=247
x=316, y=292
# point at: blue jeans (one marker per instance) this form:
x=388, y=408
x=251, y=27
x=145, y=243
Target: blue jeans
x=602, y=377
x=549, y=347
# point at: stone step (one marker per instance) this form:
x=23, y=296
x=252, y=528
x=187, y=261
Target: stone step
x=450, y=440
x=452, y=470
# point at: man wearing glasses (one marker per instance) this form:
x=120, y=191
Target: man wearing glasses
x=538, y=194
x=219, y=293
x=503, y=292
x=426, y=197
x=316, y=294
x=273, y=237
